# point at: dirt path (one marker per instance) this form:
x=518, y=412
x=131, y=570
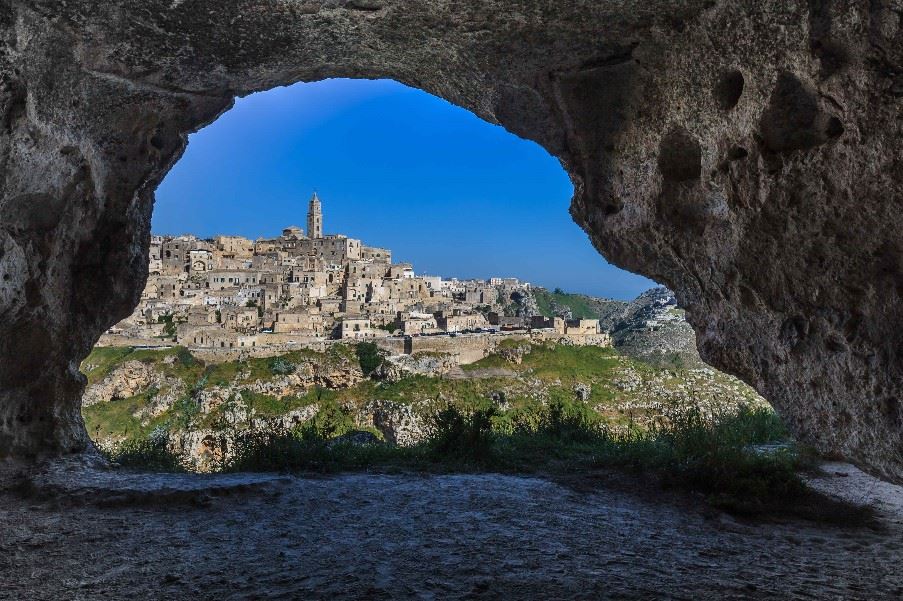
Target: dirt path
x=437, y=537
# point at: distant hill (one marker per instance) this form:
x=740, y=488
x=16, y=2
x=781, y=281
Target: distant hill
x=651, y=327
x=575, y=306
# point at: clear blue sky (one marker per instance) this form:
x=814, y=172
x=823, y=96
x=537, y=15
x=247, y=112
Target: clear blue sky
x=397, y=168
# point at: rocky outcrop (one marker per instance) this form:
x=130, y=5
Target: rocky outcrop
x=397, y=367
x=746, y=155
x=653, y=329
x=514, y=354
x=126, y=380
x=399, y=423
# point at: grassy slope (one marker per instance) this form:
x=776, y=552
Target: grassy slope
x=548, y=373
x=564, y=367
x=580, y=305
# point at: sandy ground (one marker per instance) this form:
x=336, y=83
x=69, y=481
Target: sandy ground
x=76, y=534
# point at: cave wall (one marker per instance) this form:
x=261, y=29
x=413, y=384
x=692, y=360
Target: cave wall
x=746, y=154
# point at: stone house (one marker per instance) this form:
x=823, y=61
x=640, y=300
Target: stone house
x=458, y=321
x=582, y=327
x=377, y=255
x=416, y=323
x=356, y=328
x=539, y=322
x=307, y=323
x=239, y=319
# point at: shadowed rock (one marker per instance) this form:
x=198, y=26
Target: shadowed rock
x=747, y=155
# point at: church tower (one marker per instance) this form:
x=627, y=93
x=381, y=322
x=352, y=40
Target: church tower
x=315, y=217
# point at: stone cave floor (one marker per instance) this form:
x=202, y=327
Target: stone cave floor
x=77, y=533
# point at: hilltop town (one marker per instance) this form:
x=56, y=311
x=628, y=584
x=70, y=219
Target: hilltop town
x=301, y=289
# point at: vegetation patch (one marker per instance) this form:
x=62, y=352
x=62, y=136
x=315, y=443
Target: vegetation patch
x=369, y=357
x=717, y=457
x=557, y=415
x=552, y=304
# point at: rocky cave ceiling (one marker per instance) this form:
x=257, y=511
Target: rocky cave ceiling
x=747, y=154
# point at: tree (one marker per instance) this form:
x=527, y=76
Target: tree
x=369, y=357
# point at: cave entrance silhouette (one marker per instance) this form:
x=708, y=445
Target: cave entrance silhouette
x=393, y=167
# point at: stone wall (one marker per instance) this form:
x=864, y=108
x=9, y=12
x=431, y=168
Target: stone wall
x=470, y=348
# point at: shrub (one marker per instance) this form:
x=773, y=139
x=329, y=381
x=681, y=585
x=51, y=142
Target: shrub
x=183, y=412
x=462, y=438
x=281, y=367
x=568, y=423
x=169, y=327
x=185, y=358
x=369, y=357
x=151, y=453
x=330, y=421
x=273, y=449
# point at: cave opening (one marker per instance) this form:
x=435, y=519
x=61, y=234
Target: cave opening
x=243, y=268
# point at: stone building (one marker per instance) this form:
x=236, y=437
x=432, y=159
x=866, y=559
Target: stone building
x=308, y=323
x=313, y=285
x=458, y=321
x=356, y=328
x=315, y=217
x=233, y=247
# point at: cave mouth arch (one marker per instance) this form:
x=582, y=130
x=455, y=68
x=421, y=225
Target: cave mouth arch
x=266, y=154
x=98, y=99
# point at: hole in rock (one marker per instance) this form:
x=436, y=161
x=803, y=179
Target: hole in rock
x=680, y=156
x=729, y=89
x=834, y=128
x=736, y=153
x=338, y=259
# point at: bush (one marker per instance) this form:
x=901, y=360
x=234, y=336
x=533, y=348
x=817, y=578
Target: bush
x=331, y=421
x=369, y=357
x=185, y=358
x=271, y=450
x=169, y=327
x=568, y=423
x=183, y=412
x=281, y=367
x=151, y=453
x=458, y=437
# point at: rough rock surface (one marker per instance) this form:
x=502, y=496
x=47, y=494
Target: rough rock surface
x=397, y=367
x=128, y=379
x=653, y=329
x=746, y=154
x=399, y=424
x=488, y=536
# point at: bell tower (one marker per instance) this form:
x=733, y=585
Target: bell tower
x=315, y=217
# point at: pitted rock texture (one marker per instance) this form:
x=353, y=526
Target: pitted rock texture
x=746, y=154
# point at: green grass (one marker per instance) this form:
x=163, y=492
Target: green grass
x=116, y=418
x=102, y=360
x=578, y=304
x=559, y=367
